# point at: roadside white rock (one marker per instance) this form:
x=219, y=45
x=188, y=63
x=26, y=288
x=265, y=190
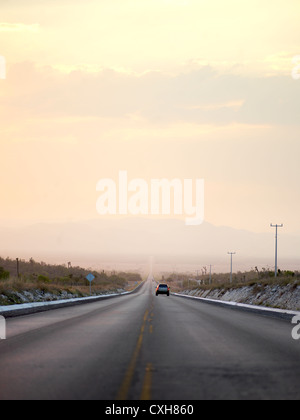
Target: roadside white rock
x=275, y=296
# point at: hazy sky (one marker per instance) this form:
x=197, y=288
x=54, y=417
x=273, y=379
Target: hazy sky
x=160, y=88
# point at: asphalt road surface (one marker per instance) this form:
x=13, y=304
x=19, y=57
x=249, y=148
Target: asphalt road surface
x=143, y=347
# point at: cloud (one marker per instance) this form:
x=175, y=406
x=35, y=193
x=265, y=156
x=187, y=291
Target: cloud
x=199, y=96
x=18, y=27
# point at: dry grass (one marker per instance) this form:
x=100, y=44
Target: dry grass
x=222, y=281
x=14, y=291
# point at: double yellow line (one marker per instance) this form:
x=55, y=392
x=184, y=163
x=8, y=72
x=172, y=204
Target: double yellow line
x=127, y=381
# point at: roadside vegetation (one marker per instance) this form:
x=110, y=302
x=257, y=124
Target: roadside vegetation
x=255, y=277
x=259, y=288
x=38, y=281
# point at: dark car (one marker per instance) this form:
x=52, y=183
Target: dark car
x=163, y=289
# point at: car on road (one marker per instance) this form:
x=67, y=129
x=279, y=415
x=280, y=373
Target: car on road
x=163, y=289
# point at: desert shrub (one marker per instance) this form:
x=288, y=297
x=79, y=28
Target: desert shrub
x=4, y=275
x=43, y=279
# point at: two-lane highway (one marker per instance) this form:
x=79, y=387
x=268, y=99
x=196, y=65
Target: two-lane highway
x=146, y=347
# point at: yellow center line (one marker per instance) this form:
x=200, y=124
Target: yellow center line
x=146, y=315
x=146, y=391
x=124, y=390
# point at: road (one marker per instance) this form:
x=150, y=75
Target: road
x=152, y=348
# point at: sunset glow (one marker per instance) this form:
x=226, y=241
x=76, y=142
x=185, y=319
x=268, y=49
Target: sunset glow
x=164, y=89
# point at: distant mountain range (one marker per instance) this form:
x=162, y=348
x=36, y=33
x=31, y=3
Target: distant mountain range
x=168, y=241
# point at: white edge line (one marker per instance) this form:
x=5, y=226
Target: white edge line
x=242, y=305
x=22, y=306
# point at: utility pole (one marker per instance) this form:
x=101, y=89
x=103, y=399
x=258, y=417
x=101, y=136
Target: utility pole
x=231, y=254
x=210, y=274
x=276, y=246
x=18, y=271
